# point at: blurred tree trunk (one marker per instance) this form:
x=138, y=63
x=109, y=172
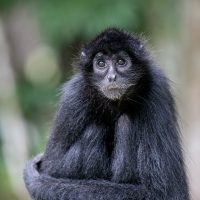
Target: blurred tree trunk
x=13, y=131
x=179, y=55
x=19, y=38
x=192, y=92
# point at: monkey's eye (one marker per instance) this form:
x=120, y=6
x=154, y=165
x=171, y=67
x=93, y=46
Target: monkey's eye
x=121, y=62
x=101, y=63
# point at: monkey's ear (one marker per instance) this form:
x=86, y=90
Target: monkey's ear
x=83, y=57
x=141, y=46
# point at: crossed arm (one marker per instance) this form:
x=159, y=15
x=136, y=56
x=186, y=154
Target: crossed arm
x=45, y=187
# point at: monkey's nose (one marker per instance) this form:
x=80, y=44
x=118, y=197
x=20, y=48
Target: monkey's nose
x=112, y=77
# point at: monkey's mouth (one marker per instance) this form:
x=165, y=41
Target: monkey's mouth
x=113, y=92
x=115, y=86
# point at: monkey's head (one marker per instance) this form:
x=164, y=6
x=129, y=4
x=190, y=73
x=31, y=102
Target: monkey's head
x=114, y=62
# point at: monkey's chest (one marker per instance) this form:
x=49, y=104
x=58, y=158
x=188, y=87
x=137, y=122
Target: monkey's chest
x=100, y=154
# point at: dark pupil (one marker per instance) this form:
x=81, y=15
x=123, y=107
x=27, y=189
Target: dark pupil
x=121, y=61
x=101, y=63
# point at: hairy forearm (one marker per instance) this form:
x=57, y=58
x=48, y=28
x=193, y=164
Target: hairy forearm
x=44, y=187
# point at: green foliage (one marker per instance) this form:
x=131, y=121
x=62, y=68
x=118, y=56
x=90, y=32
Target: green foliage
x=67, y=20
x=5, y=4
x=36, y=102
x=5, y=187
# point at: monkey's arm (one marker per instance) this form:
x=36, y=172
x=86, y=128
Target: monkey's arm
x=124, y=165
x=69, y=123
x=45, y=187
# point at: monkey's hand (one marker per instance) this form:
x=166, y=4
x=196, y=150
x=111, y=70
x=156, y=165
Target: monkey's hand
x=45, y=187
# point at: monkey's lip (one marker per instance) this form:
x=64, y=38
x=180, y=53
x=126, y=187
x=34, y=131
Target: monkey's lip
x=113, y=88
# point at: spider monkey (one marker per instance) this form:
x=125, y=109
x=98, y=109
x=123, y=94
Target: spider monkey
x=115, y=134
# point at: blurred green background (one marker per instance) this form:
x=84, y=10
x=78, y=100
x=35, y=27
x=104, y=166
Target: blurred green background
x=39, y=40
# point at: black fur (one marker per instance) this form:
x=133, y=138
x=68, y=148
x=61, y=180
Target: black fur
x=104, y=149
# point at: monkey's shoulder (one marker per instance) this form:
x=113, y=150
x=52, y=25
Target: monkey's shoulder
x=73, y=93
x=73, y=88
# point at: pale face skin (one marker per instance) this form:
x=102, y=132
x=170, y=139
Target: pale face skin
x=113, y=74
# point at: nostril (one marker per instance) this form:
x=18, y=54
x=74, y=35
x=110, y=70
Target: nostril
x=112, y=77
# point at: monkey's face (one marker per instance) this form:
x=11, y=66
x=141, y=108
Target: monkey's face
x=113, y=74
